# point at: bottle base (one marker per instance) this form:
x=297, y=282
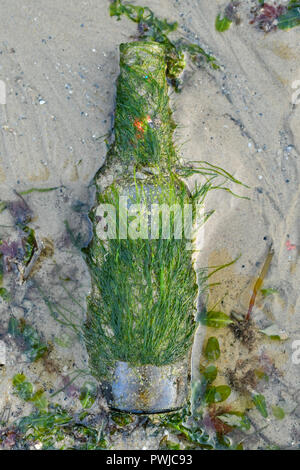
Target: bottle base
x=148, y=389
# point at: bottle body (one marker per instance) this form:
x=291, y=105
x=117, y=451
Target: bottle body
x=141, y=312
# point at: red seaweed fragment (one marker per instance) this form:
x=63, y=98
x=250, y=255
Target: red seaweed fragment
x=20, y=211
x=13, y=253
x=266, y=16
x=20, y=252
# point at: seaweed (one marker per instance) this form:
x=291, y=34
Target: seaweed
x=58, y=429
x=20, y=211
x=242, y=326
x=266, y=16
x=18, y=254
x=217, y=394
x=142, y=306
x=24, y=389
x=273, y=332
x=212, y=349
x=145, y=289
x=4, y=293
x=39, y=190
x=29, y=244
x=291, y=17
x=244, y=330
x=201, y=424
x=260, y=403
x=222, y=24
x=49, y=426
x=87, y=395
x=215, y=319
x=192, y=431
x=11, y=252
x=278, y=412
x=28, y=337
x=235, y=419
x=207, y=419
x=283, y=16
x=143, y=125
x=260, y=280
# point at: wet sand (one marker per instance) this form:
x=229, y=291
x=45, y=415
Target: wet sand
x=59, y=61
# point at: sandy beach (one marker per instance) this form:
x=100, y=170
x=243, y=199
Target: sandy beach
x=59, y=61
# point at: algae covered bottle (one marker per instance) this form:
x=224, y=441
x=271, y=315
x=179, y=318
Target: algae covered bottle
x=141, y=310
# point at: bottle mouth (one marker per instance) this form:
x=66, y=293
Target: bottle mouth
x=148, y=389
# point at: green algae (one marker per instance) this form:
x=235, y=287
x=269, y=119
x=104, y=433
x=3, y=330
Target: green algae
x=142, y=307
x=143, y=303
x=58, y=429
x=152, y=28
x=143, y=125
